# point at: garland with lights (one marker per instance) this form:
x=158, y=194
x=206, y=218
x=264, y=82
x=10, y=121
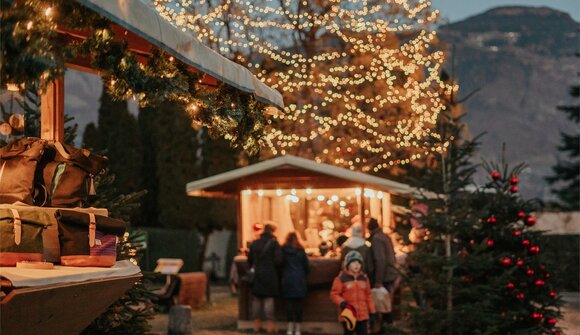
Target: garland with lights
x=360, y=77
x=32, y=54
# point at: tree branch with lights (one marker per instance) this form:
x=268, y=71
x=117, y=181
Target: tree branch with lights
x=360, y=78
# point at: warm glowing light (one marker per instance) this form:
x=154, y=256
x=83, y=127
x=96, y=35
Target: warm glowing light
x=247, y=192
x=342, y=204
x=357, y=191
x=391, y=101
x=334, y=198
x=379, y=194
x=308, y=191
x=279, y=192
x=12, y=87
x=320, y=198
x=260, y=193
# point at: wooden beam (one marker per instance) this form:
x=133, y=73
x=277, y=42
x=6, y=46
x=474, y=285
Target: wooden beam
x=52, y=112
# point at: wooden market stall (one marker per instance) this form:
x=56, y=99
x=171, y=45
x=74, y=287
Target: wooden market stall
x=317, y=201
x=63, y=304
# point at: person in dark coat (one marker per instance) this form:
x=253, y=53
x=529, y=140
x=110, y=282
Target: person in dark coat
x=385, y=263
x=265, y=256
x=294, y=272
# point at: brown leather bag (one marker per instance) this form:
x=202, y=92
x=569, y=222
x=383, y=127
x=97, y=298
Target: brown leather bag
x=18, y=162
x=66, y=174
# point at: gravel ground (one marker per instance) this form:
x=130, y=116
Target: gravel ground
x=219, y=316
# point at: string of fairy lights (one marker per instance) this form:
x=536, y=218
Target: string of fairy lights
x=360, y=78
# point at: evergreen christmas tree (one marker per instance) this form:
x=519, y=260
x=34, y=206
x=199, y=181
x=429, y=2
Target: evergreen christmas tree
x=479, y=270
x=566, y=178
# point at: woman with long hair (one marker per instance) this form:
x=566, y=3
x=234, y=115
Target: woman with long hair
x=293, y=288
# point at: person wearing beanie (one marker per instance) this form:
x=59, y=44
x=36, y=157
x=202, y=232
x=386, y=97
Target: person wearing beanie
x=357, y=242
x=351, y=292
x=385, y=264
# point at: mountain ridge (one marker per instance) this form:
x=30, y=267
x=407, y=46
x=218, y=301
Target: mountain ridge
x=521, y=72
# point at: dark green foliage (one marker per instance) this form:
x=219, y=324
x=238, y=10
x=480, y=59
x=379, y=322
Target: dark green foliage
x=132, y=312
x=175, y=155
x=28, y=40
x=566, y=178
x=36, y=55
x=129, y=314
x=565, y=250
x=458, y=270
x=118, y=137
x=171, y=243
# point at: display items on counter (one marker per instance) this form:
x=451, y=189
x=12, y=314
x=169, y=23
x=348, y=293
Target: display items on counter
x=21, y=235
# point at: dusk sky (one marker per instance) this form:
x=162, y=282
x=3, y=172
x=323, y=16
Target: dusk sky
x=456, y=10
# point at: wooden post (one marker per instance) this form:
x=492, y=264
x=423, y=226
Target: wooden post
x=52, y=112
x=362, y=210
x=180, y=322
x=240, y=230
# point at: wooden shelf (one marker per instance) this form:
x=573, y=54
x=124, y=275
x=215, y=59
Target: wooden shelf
x=60, y=309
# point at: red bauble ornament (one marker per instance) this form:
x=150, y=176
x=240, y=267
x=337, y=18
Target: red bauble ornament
x=534, y=250
x=514, y=189
x=506, y=261
x=530, y=221
x=519, y=262
x=491, y=219
x=511, y=286
x=548, y=275
x=520, y=296
x=516, y=233
x=539, y=282
x=551, y=322
x=495, y=175
x=537, y=316
x=514, y=180
x=553, y=294
x=521, y=214
x=489, y=243
x=530, y=272
x=526, y=242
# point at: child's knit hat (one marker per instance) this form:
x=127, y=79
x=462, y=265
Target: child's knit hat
x=353, y=256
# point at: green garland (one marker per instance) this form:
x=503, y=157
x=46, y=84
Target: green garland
x=33, y=55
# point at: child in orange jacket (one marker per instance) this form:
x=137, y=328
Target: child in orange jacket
x=351, y=291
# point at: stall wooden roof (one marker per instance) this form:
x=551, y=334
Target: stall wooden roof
x=287, y=172
x=143, y=20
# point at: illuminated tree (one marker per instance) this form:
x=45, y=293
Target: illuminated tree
x=360, y=78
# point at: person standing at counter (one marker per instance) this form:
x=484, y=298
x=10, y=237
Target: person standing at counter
x=385, y=262
x=351, y=291
x=293, y=289
x=265, y=256
x=357, y=242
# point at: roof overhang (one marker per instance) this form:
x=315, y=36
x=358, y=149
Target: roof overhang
x=143, y=20
x=287, y=172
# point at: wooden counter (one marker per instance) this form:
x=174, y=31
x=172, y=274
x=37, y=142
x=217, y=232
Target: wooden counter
x=318, y=309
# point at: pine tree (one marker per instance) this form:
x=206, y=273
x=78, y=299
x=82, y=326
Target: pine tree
x=117, y=136
x=566, y=178
x=480, y=270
